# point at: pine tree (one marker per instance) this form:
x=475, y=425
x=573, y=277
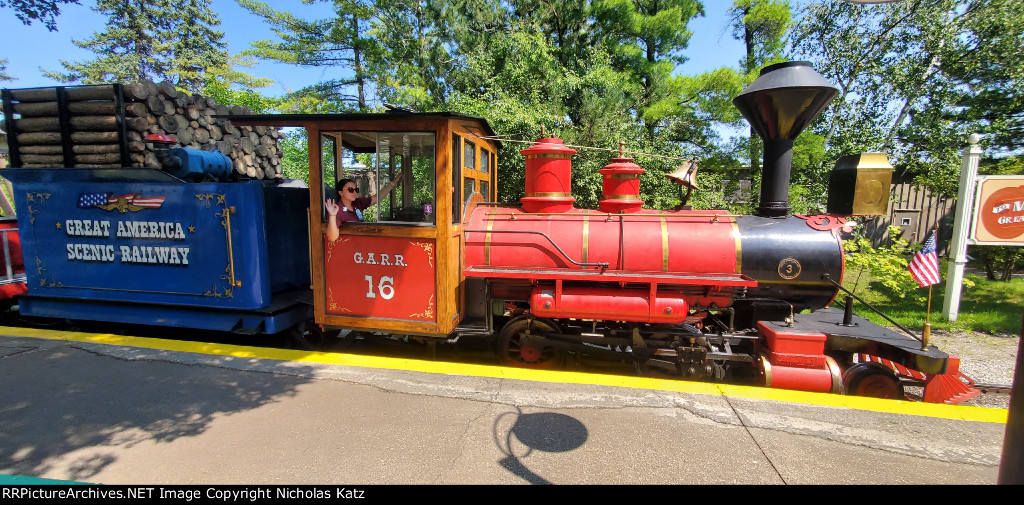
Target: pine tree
x=336, y=42
x=3, y=71
x=197, y=47
x=129, y=48
x=647, y=38
x=151, y=39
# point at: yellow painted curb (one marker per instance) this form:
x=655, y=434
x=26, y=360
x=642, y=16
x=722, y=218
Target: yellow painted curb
x=957, y=412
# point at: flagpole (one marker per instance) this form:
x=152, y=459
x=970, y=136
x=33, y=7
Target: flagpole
x=927, y=322
x=927, y=332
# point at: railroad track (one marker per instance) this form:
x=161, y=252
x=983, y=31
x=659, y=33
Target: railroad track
x=994, y=389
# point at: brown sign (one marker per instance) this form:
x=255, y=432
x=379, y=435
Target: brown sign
x=999, y=211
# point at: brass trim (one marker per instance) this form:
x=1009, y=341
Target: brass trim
x=586, y=236
x=837, y=374
x=739, y=247
x=622, y=197
x=547, y=195
x=428, y=312
x=549, y=155
x=624, y=176
x=793, y=265
x=767, y=367
x=487, y=241
x=664, y=245
x=225, y=215
x=56, y=284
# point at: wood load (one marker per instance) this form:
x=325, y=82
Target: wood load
x=105, y=127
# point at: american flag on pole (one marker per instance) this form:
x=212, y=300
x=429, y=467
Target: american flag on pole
x=924, y=268
x=103, y=200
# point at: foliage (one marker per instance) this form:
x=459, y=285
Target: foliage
x=45, y=11
x=3, y=71
x=232, y=87
x=985, y=306
x=886, y=265
x=295, y=155
x=128, y=49
x=916, y=77
x=151, y=39
x=646, y=40
x=761, y=25
x=999, y=261
x=339, y=42
x=197, y=47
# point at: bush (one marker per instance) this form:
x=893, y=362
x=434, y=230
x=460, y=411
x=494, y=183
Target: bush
x=886, y=265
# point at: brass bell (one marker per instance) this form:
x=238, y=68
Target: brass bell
x=685, y=175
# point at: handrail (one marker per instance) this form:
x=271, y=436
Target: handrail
x=602, y=264
x=828, y=278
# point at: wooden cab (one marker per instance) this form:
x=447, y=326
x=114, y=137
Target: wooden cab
x=399, y=270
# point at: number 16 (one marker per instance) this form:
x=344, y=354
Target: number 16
x=387, y=291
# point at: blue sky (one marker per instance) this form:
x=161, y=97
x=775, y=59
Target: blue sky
x=27, y=48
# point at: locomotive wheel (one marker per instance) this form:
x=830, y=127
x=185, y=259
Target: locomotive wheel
x=513, y=352
x=872, y=380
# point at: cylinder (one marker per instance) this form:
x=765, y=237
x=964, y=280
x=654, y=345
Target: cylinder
x=195, y=164
x=548, y=177
x=621, y=186
x=826, y=379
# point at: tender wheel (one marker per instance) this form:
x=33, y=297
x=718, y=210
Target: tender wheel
x=309, y=337
x=514, y=352
x=872, y=380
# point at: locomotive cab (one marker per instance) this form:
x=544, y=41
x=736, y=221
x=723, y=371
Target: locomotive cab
x=397, y=270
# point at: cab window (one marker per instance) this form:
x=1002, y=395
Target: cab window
x=373, y=159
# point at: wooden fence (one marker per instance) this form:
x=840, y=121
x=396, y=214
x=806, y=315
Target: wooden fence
x=915, y=211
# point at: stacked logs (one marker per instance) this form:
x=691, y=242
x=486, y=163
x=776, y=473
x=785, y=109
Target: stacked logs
x=255, y=151
x=91, y=121
x=146, y=108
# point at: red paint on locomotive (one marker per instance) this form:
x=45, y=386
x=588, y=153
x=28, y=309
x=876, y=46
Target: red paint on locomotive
x=387, y=277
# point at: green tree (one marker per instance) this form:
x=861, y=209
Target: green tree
x=761, y=25
x=339, y=42
x=647, y=39
x=198, y=47
x=916, y=77
x=3, y=71
x=130, y=47
x=412, y=60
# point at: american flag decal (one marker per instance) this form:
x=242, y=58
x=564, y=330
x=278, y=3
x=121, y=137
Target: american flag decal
x=133, y=202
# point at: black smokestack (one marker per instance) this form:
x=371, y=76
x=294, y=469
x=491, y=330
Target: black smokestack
x=779, y=105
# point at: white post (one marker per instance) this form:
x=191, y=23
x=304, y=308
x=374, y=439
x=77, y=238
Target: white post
x=961, y=227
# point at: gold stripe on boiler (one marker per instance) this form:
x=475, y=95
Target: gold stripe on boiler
x=548, y=195
x=664, y=244
x=487, y=241
x=549, y=155
x=739, y=247
x=586, y=235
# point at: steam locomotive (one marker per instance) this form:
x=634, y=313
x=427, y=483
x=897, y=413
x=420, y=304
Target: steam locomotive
x=704, y=295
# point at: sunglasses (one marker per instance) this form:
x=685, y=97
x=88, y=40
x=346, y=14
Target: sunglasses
x=352, y=190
